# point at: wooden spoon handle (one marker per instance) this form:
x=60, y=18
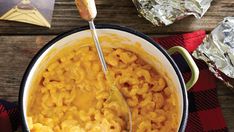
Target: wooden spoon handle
x=87, y=9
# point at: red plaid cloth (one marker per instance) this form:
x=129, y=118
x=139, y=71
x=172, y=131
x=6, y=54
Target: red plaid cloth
x=205, y=114
x=204, y=110
x=9, y=116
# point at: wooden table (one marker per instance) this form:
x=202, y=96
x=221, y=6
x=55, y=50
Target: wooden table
x=19, y=42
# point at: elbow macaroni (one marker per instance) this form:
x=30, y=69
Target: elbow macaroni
x=72, y=94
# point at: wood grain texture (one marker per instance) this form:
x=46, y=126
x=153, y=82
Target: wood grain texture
x=19, y=42
x=120, y=12
x=17, y=51
x=226, y=99
x=15, y=55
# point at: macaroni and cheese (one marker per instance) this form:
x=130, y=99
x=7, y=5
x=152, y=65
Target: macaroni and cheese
x=72, y=94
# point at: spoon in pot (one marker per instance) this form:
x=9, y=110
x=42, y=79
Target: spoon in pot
x=88, y=12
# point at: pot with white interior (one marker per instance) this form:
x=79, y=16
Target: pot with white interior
x=131, y=37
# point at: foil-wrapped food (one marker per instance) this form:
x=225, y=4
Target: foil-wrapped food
x=166, y=12
x=217, y=51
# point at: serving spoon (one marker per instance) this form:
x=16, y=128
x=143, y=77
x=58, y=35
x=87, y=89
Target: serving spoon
x=88, y=12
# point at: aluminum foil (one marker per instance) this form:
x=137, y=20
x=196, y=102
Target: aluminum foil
x=217, y=51
x=166, y=12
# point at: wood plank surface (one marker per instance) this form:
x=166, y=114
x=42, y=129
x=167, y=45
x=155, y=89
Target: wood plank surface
x=19, y=42
x=17, y=51
x=120, y=12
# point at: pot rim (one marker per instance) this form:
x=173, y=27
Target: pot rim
x=105, y=26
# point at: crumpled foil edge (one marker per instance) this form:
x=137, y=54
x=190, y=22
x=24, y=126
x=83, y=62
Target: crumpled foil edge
x=217, y=50
x=201, y=56
x=166, y=12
